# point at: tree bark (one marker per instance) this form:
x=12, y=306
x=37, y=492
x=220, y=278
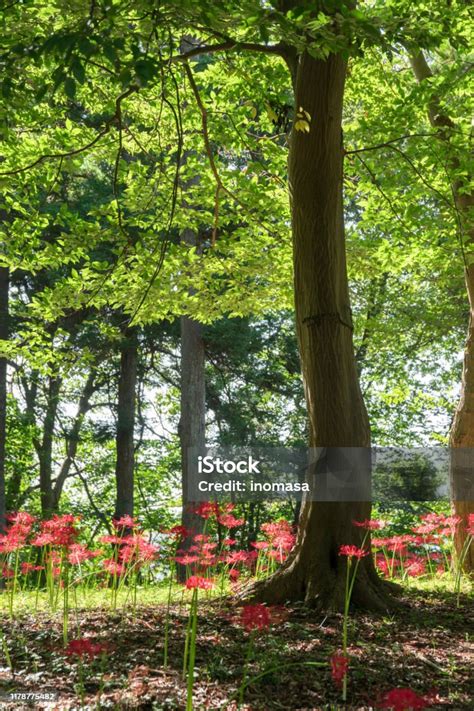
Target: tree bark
x=192, y=425
x=125, y=451
x=45, y=448
x=315, y=572
x=462, y=429
x=4, y=292
x=72, y=439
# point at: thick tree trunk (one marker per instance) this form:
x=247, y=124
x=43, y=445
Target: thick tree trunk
x=45, y=448
x=462, y=429
x=4, y=288
x=315, y=572
x=125, y=450
x=192, y=425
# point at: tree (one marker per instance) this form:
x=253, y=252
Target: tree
x=192, y=421
x=315, y=43
x=4, y=293
x=462, y=429
x=125, y=448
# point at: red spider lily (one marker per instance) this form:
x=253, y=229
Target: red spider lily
x=470, y=525
x=276, y=528
x=136, y=548
x=234, y=574
x=397, y=544
x=201, y=538
x=353, y=551
x=206, y=509
x=236, y=557
x=285, y=541
x=7, y=572
x=187, y=559
x=370, y=524
x=58, y=531
x=111, y=566
x=229, y=521
x=425, y=528
x=229, y=542
x=255, y=617
x=11, y=542
x=84, y=647
x=21, y=517
x=260, y=545
x=416, y=568
x=404, y=700
x=114, y=540
x=208, y=562
x=125, y=522
x=339, y=667
x=197, y=582
x=208, y=547
x=79, y=553
x=30, y=568
x=179, y=532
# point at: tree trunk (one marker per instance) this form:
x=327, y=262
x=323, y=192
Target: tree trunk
x=45, y=448
x=192, y=425
x=72, y=439
x=4, y=287
x=315, y=572
x=125, y=451
x=462, y=429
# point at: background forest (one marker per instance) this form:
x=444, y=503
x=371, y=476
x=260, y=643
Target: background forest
x=176, y=270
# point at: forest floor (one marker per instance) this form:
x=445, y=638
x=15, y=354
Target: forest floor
x=427, y=646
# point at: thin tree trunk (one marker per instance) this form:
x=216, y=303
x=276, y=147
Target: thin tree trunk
x=315, y=572
x=462, y=429
x=125, y=451
x=192, y=425
x=4, y=288
x=45, y=448
x=72, y=439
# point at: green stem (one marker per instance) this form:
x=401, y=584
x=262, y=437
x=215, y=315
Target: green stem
x=192, y=650
x=248, y=657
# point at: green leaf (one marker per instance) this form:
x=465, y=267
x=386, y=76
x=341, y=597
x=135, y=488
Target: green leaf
x=78, y=70
x=70, y=87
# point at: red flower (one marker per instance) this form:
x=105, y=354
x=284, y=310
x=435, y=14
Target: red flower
x=112, y=567
x=353, y=551
x=404, y=700
x=197, y=582
x=229, y=521
x=339, y=667
x=187, y=559
x=179, y=532
x=58, y=531
x=470, y=525
x=236, y=557
x=79, y=553
x=125, y=522
x=260, y=545
x=370, y=524
x=255, y=617
x=206, y=509
x=114, y=540
x=416, y=568
x=84, y=647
